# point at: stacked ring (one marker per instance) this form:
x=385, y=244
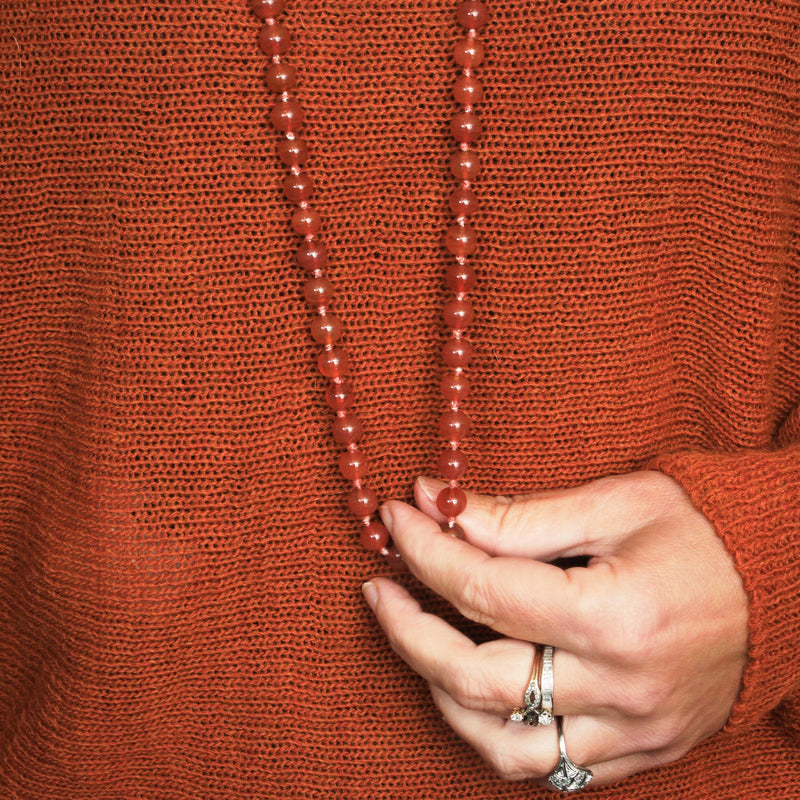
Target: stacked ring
x=548, y=681
x=538, y=698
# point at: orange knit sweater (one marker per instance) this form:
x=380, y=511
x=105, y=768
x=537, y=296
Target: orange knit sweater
x=180, y=614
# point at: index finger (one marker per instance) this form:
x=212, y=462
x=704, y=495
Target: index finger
x=517, y=597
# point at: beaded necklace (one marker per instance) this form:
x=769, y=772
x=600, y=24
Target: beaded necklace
x=288, y=118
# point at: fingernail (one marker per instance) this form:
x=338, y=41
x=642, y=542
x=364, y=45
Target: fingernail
x=386, y=517
x=429, y=487
x=370, y=591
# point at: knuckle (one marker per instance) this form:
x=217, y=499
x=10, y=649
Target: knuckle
x=506, y=519
x=632, y=638
x=645, y=698
x=507, y=765
x=475, y=598
x=668, y=734
x=467, y=687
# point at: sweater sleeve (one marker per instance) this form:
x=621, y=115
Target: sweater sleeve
x=753, y=500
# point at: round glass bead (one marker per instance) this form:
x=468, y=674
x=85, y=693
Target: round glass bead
x=281, y=77
x=353, y=465
x=458, y=314
x=340, y=396
x=333, y=363
x=287, y=116
x=306, y=221
x=452, y=464
x=454, y=425
x=347, y=429
x=362, y=502
x=326, y=330
x=468, y=52
x=293, y=152
x=466, y=127
x=472, y=14
x=457, y=352
x=318, y=291
x=298, y=188
x=461, y=239
x=451, y=501
x=266, y=9
x=463, y=201
x=455, y=387
x=374, y=536
x=465, y=165
x=312, y=255
x=460, y=277
x=274, y=39
x=467, y=90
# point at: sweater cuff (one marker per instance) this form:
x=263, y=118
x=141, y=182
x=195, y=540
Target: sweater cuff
x=753, y=500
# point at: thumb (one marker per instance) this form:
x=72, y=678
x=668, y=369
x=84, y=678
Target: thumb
x=588, y=520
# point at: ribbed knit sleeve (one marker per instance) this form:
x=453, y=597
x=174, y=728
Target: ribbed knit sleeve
x=753, y=500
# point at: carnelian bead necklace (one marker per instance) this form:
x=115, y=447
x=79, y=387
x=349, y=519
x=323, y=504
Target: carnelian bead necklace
x=460, y=240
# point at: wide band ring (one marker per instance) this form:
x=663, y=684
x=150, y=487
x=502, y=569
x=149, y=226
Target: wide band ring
x=548, y=683
x=568, y=776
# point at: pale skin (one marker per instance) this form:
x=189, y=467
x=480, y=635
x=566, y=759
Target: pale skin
x=650, y=637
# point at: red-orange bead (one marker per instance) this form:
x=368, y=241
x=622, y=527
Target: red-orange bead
x=347, y=429
x=463, y=201
x=451, y=501
x=274, y=39
x=333, y=363
x=293, y=152
x=465, y=165
x=298, y=188
x=454, y=387
x=306, y=221
x=281, y=77
x=457, y=353
x=467, y=90
x=362, y=502
x=452, y=464
x=468, y=52
x=326, y=330
x=340, y=396
x=461, y=240
x=266, y=9
x=460, y=277
x=466, y=127
x=353, y=465
x=318, y=291
x=458, y=314
x=287, y=116
x=472, y=14
x=454, y=425
x=375, y=537
x=312, y=255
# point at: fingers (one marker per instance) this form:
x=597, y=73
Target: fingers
x=491, y=677
x=518, y=752
x=587, y=520
x=518, y=597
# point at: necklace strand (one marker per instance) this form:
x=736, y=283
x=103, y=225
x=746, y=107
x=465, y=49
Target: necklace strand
x=288, y=117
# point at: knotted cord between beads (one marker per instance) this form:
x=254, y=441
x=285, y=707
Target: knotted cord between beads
x=288, y=117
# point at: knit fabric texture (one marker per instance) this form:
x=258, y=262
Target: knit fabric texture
x=180, y=608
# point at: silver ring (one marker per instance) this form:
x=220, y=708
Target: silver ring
x=568, y=776
x=529, y=713
x=548, y=683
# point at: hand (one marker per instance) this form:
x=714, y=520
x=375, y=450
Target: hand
x=650, y=637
